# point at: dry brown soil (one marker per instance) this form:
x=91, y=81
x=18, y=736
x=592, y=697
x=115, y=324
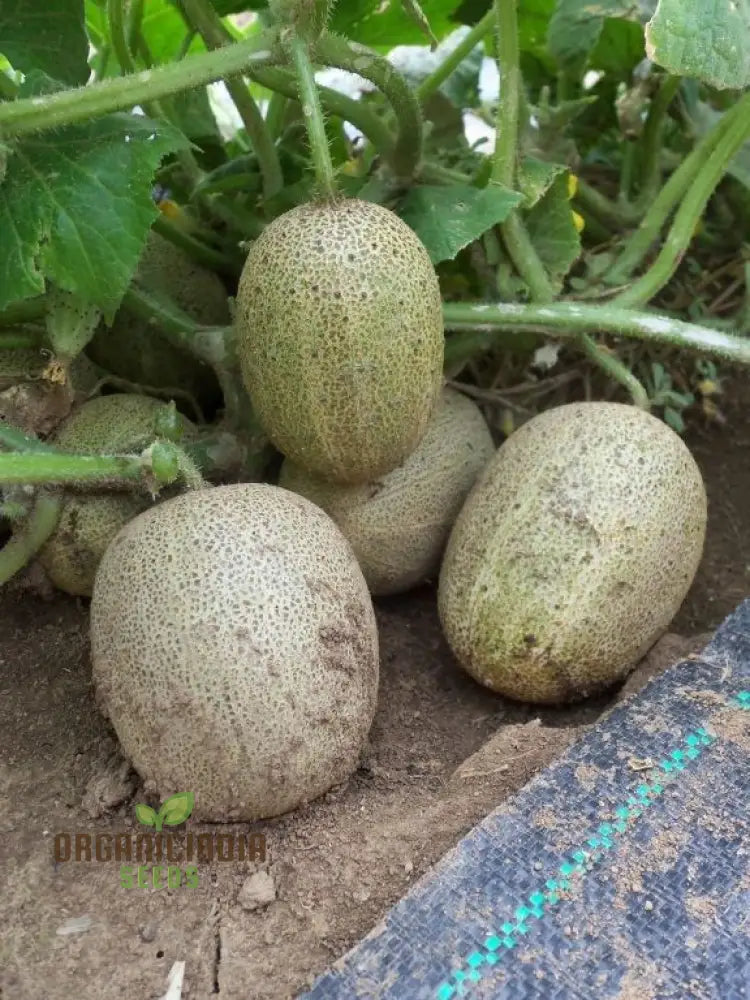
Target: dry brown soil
x=443, y=753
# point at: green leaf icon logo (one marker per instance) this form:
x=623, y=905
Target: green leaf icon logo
x=175, y=810
x=145, y=814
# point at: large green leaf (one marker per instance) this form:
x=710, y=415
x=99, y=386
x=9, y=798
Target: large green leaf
x=552, y=230
x=75, y=207
x=446, y=219
x=710, y=41
x=384, y=23
x=37, y=34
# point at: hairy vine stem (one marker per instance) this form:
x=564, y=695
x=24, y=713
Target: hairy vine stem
x=204, y=19
x=568, y=320
x=407, y=149
x=673, y=191
x=66, y=107
x=313, y=115
x=453, y=60
x=688, y=215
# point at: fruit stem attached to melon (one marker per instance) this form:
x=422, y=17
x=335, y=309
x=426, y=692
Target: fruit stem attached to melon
x=29, y=536
x=612, y=366
x=313, y=115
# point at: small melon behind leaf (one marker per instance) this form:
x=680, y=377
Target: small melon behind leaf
x=235, y=650
x=398, y=525
x=573, y=552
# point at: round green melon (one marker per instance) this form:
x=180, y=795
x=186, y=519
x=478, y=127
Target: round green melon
x=235, y=650
x=118, y=424
x=399, y=524
x=573, y=552
x=340, y=338
x=134, y=351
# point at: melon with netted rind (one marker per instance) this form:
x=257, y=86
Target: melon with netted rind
x=133, y=350
x=235, y=650
x=398, y=525
x=573, y=552
x=340, y=337
x=118, y=424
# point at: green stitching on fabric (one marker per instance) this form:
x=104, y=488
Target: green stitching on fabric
x=579, y=862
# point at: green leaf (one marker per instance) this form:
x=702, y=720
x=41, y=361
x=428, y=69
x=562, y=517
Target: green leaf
x=177, y=808
x=446, y=219
x=37, y=34
x=710, y=41
x=619, y=49
x=553, y=233
x=383, y=23
x=535, y=178
x=191, y=113
x=145, y=814
x=76, y=206
x=576, y=26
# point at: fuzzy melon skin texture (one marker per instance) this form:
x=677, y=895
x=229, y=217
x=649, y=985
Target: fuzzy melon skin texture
x=398, y=526
x=119, y=423
x=573, y=552
x=235, y=650
x=340, y=338
x=133, y=351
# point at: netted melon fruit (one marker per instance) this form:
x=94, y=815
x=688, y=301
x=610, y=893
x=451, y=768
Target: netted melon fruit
x=573, y=552
x=398, y=525
x=340, y=338
x=235, y=650
x=134, y=351
x=116, y=424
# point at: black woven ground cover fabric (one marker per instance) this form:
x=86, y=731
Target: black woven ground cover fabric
x=622, y=872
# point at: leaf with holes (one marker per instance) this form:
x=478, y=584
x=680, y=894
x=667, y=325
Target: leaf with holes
x=76, y=206
x=446, y=219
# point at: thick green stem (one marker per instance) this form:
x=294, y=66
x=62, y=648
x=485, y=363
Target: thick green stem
x=663, y=205
x=197, y=249
x=453, y=60
x=29, y=536
x=525, y=258
x=275, y=112
x=506, y=141
x=56, y=467
x=206, y=21
x=650, y=143
x=135, y=17
x=569, y=319
x=688, y=215
x=615, y=368
x=312, y=112
x=66, y=107
x=407, y=150
x=616, y=216
x=12, y=439
x=356, y=112
x=119, y=35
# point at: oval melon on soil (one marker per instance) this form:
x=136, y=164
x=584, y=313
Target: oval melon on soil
x=573, y=552
x=235, y=650
x=340, y=337
x=398, y=525
x=118, y=424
